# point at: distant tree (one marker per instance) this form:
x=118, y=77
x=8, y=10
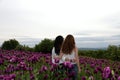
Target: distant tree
x=113, y=51
x=119, y=52
x=10, y=44
x=24, y=48
x=19, y=47
x=100, y=54
x=37, y=48
x=44, y=46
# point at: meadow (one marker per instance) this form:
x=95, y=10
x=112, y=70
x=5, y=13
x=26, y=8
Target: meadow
x=24, y=65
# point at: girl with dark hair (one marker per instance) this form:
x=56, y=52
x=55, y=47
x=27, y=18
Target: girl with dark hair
x=56, y=48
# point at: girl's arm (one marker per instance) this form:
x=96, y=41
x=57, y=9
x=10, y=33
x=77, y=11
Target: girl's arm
x=64, y=59
x=53, y=55
x=60, y=55
x=77, y=58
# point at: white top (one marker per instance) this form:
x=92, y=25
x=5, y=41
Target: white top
x=53, y=55
x=69, y=56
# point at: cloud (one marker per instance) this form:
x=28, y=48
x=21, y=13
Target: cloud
x=45, y=19
x=81, y=34
x=97, y=42
x=112, y=21
x=81, y=42
x=90, y=39
x=84, y=42
x=25, y=40
x=117, y=36
x=30, y=43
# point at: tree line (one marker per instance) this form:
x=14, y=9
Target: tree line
x=44, y=46
x=112, y=52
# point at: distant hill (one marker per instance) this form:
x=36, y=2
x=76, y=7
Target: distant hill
x=92, y=48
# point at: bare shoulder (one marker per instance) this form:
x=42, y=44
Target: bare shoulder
x=76, y=49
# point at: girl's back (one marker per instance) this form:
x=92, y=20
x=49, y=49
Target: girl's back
x=70, y=56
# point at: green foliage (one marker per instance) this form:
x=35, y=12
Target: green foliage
x=10, y=44
x=112, y=53
x=37, y=48
x=24, y=48
x=44, y=46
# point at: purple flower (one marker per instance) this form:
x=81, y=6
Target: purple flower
x=87, y=72
x=91, y=78
x=21, y=66
x=71, y=74
x=1, y=61
x=29, y=68
x=112, y=78
x=9, y=68
x=119, y=78
x=54, y=65
x=43, y=68
x=32, y=77
x=66, y=79
x=13, y=59
x=92, y=65
x=7, y=78
x=95, y=71
x=56, y=74
x=99, y=69
x=45, y=77
x=68, y=64
x=12, y=76
x=22, y=63
x=106, y=72
x=57, y=60
x=83, y=78
x=51, y=68
x=1, y=77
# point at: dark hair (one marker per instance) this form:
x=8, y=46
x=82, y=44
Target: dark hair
x=68, y=44
x=58, y=43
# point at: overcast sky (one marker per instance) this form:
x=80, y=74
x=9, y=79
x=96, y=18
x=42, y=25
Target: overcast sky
x=94, y=23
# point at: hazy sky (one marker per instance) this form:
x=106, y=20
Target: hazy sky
x=94, y=23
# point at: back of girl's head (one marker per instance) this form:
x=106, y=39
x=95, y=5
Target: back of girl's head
x=68, y=44
x=58, y=43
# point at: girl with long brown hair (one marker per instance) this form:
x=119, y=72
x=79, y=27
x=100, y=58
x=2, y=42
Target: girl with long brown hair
x=69, y=52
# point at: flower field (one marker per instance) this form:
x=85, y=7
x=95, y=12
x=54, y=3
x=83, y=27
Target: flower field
x=20, y=65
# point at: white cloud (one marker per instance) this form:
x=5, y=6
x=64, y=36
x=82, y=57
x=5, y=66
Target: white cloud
x=49, y=18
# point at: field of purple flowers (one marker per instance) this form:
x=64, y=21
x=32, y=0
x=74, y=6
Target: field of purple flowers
x=19, y=65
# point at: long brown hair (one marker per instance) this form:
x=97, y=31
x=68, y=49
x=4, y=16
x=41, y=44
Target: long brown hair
x=68, y=45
